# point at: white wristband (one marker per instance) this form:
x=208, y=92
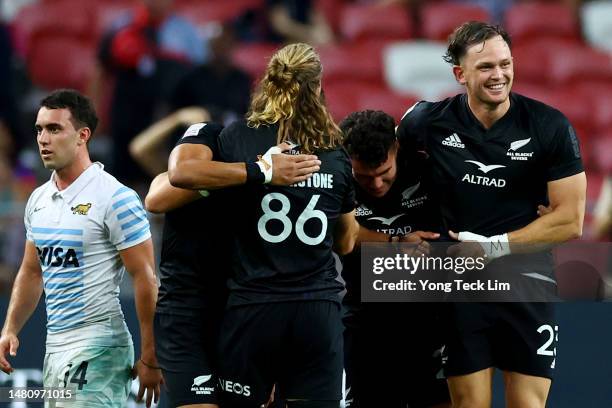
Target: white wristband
x=497, y=246
x=494, y=247
x=265, y=163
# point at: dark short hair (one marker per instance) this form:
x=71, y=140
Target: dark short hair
x=468, y=34
x=80, y=107
x=368, y=136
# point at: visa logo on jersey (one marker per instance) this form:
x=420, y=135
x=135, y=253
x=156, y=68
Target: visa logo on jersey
x=57, y=256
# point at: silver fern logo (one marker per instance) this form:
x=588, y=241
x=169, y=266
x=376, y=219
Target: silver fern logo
x=516, y=145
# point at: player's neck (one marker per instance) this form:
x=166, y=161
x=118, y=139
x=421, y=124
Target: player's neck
x=66, y=176
x=488, y=114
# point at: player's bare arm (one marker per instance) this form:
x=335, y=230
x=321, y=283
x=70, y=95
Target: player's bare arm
x=27, y=289
x=163, y=196
x=188, y=169
x=147, y=148
x=346, y=233
x=567, y=198
x=560, y=222
x=138, y=260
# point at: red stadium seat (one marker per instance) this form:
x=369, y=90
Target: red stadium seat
x=601, y=95
x=368, y=21
x=341, y=97
x=559, y=62
x=65, y=17
x=573, y=104
x=253, y=58
x=344, y=97
x=386, y=100
x=532, y=58
x=530, y=20
x=602, y=112
x=360, y=62
x=331, y=10
x=579, y=63
x=59, y=61
x=602, y=152
x=531, y=90
x=439, y=19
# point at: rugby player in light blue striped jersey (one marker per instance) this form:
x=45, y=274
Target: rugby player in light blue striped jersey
x=84, y=229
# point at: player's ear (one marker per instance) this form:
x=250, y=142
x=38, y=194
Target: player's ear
x=84, y=135
x=459, y=74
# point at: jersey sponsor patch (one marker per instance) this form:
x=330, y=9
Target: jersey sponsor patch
x=193, y=130
x=484, y=167
x=482, y=180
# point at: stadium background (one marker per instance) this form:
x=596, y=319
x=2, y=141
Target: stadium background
x=386, y=55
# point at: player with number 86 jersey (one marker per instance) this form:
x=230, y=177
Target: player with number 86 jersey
x=283, y=319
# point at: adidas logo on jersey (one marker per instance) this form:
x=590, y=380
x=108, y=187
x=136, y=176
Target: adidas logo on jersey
x=453, y=141
x=362, y=211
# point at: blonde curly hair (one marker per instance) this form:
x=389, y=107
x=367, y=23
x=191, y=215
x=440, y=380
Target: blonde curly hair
x=290, y=94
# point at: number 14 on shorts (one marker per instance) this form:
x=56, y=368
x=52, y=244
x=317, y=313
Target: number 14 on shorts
x=78, y=375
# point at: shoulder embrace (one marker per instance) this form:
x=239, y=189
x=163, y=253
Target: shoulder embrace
x=234, y=129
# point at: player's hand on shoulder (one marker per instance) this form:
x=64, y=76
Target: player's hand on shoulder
x=9, y=343
x=288, y=169
x=150, y=379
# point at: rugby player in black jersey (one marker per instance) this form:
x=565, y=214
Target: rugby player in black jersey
x=495, y=156
x=392, y=350
x=283, y=322
x=194, y=261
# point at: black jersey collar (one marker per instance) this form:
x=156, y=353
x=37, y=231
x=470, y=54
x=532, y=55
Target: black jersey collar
x=474, y=124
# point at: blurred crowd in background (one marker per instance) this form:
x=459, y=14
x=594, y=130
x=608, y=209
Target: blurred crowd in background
x=184, y=61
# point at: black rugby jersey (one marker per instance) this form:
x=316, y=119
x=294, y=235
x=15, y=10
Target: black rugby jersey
x=283, y=236
x=407, y=207
x=194, y=256
x=490, y=181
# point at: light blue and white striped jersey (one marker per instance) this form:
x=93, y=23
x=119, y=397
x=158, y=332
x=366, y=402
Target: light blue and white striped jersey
x=78, y=233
